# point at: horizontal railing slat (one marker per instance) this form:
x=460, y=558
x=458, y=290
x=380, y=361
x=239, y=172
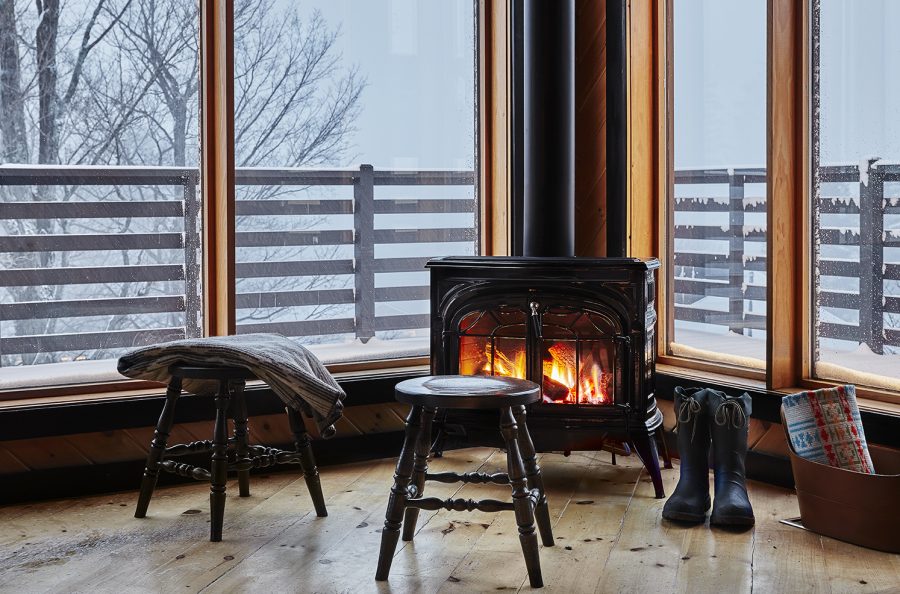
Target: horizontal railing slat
x=295, y=268
x=402, y=293
x=25, y=277
x=292, y=207
x=88, y=341
x=424, y=178
x=423, y=235
x=91, y=210
x=424, y=206
x=81, y=243
x=91, y=307
x=402, y=322
x=294, y=298
x=292, y=238
x=400, y=264
x=301, y=328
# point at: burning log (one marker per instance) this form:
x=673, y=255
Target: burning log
x=554, y=390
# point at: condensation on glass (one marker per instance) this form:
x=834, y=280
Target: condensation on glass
x=99, y=202
x=856, y=191
x=717, y=213
x=355, y=157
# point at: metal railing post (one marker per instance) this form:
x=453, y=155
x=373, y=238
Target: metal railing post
x=736, y=253
x=871, y=257
x=192, y=298
x=364, y=252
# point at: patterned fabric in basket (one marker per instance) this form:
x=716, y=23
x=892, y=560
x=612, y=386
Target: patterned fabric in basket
x=825, y=427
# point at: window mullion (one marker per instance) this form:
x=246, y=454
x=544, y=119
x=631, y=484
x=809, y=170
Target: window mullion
x=787, y=213
x=217, y=165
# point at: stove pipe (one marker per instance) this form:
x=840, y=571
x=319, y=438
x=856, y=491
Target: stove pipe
x=548, y=119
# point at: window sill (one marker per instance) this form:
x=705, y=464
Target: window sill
x=136, y=389
x=866, y=402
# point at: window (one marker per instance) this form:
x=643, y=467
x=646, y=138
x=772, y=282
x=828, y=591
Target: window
x=856, y=192
x=784, y=191
x=717, y=214
x=99, y=238
x=355, y=165
x=354, y=126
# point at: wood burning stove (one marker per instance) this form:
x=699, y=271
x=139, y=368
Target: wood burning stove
x=582, y=328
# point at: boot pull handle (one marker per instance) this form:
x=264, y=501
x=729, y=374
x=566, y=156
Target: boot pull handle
x=730, y=412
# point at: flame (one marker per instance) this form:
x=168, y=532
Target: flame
x=503, y=364
x=560, y=369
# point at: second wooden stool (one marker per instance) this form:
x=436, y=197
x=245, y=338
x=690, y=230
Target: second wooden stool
x=509, y=396
x=244, y=456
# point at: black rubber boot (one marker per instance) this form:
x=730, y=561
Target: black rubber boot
x=729, y=424
x=690, y=500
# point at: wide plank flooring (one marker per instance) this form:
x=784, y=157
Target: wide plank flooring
x=609, y=538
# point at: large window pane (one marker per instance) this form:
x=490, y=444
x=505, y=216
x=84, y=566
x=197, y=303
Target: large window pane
x=717, y=214
x=99, y=241
x=856, y=199
x=354, y=125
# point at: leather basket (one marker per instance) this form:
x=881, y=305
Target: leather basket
x=862, y=509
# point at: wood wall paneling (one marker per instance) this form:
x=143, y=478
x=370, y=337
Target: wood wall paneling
x=590, y=128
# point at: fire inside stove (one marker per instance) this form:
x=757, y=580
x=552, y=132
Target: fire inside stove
x=571, y=371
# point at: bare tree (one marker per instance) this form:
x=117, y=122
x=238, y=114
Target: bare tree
x=116, y=82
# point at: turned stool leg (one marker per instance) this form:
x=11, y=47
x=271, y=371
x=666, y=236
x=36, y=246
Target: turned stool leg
x=423, y=445
x=219, y=472
x=521, y=501
x=533, y=476
x=158, y=447
x=397, y=501
x=307, y=461
x=241, y=437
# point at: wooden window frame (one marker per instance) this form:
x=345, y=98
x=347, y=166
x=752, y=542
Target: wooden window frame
x=790, y=326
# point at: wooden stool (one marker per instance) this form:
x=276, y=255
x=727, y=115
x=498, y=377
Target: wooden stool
x=231, y=386
x=509, y=396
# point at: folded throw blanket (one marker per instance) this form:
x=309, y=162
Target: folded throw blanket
x=293, y=373
x=824, y=426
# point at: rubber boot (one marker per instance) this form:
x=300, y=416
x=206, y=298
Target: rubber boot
x=729, y=424
x=690, y=500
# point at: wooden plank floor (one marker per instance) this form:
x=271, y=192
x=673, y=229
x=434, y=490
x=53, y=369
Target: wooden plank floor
x=609, y=538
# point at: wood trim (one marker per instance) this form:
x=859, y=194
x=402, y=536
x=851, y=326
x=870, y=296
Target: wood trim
x=723, y=369
x=787, y=91
x=494, y=125
x=217, y=167
x=665, y=294
x=645, y=69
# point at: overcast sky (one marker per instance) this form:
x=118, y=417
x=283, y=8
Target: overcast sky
x=720, y=82
x=418, y=56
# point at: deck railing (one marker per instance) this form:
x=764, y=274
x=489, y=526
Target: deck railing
x=151, y=291
x=155, y=278
x=737, y=272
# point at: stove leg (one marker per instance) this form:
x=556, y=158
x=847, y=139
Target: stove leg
x=645, y=445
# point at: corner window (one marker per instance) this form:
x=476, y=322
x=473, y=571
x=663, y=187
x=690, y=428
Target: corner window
x=717, y=205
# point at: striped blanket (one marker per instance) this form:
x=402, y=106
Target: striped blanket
x=824, y=426
x=293, y=373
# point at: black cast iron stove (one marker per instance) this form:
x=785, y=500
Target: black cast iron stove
x=582, y=328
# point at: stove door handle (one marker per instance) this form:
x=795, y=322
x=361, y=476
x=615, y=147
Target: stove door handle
x=536, y=318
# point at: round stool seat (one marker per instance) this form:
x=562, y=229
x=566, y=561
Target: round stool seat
x=467, y=391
